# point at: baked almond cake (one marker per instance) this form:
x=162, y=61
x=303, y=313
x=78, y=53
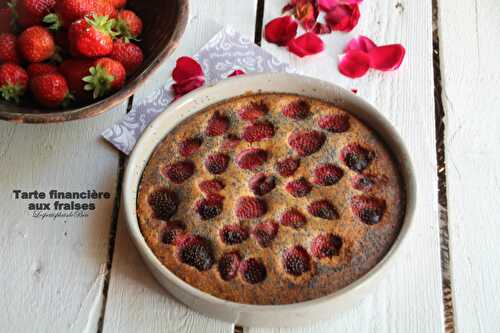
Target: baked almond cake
x=271, y=199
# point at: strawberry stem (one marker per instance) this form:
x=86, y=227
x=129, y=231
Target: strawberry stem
x=102, y=24
x=54, y=21
x=99, y=81
x=12, y=92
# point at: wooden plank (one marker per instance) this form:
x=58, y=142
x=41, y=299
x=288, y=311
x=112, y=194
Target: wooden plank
x=52, y=271
x=470, y=70
x=409, y=299
x=136, y=302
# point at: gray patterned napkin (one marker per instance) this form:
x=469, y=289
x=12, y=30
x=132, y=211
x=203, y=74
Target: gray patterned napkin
x=227, y=51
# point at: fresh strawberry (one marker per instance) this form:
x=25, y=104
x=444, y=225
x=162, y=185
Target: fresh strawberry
x=368, y=209
x=296, y=261
x=195, y=251
x=32, y=12
x=258, y=131
x=298, y=110
x=326, y=246
x=36, y=44
x=228, y=265
x=232, y=234
x=13, y=82
x=248, y=207
x=287, y=166
x=298, y=188
x=6, y=20
x=107, y=75
x=173, y=231
x=356, y=157
x=74, y=70
x=106, y=8
x=216, y=163
x=128, y=25
x=129, y=54
x=265, y=232
x=179, y=172
x=252, y=271
x=164, y=203
x=253, y=111
x=306, y=142
x=91, y=36
x=209, y=207
x=293, y=218
x=251, y=158
x=261, y=184
x=50, y=90
x=118, y=3
x=211, y=186
x=190, y=146
x=217, y=125
x=323, y=209
x=8, y=51
x=69, y=11
x=38, y=68
x=334, y=123
x=327, y=174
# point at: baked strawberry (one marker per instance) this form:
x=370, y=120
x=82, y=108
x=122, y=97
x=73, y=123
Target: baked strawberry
x=253, y=111
x=230, y=142
x=248, y=207
x=293, y=218
x=50, y=90
x=209, y=207
x=228, y=265
x=195, y=251
x=368, y=209
x=364, y=183
x=8, y=51
x=251, y=158
x=216, y=163
x=287, y=166
x=13, y=82
x=232, y=234
x=179, y=172
x=128, y=54
x=190, y=146
x=74, y=70
x=38, y=68
x=217, y=125
x=265, y=232
x=252, y=271
x=258, y=131
x=32, y=12
x=91, y=36
x=298, y=110
x=298, y=188
x=323, y=209
x=173, y=231
x=128, y=25
x=36, y=44
x=211, y=186
x=334, y=123
x=107, y=75
x=296, y=261
x=261, y=184
x=356, y=157
x=326, y=246
x=327, y=174
x=6, y=20
x=306, y=142
x=69, y=11
x=164, y=203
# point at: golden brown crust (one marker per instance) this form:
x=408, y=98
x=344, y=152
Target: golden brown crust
x=363, y=245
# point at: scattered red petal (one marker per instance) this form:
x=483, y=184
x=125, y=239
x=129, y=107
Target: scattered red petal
x=237, y=72
x=328, y=5
x=354, y=90
x=343, y=17
x=360, y=43
x=281, y=30
x=306, y=11
x=188, y=76
x=387, y=57
x=354, y=64
x=305, y=45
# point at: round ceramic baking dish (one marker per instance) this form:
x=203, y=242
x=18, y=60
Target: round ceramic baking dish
x=264, y=315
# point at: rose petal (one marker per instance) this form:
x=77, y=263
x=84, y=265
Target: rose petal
x=322, y=28
x=306, y=11
x=236, y=73
x=307, y=44
x=327, y=5
x=354, y=64
x=360, y=43
x=281, y=30
x=387, y=57
x=186, y=68
x=182, y=88
x=343, y=17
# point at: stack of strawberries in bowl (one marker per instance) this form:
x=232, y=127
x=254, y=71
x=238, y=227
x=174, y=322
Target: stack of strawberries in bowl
x=62, y=53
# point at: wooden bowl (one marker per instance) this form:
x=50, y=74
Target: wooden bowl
x=164, y=24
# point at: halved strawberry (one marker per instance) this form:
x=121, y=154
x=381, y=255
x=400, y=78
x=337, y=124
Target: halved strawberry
x=252, y=271
x=306, y=142
x=326, y=246
x=211, y=186
x=265, y=232
x=253, y=111
x=173, y=231
x=296, y=261
x=261, y=184
x=190, y=146
x=251, y=158
x=356, y=157
x=232, y=234
x=334, y=123
x=298, y=188
x=327, y=174
x=297, y=110
x=248, y=207
x=323, y=209
x=258, y=131
x=287, y=166
x=228, y=265
x=195, y=251
x=292, y=217
x=179, y=172
x=369, y=210
x=217, y=125
x=216, y=163
x=209, y=207
x=164, y=203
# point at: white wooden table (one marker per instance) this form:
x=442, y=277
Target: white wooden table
x=84, y=275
